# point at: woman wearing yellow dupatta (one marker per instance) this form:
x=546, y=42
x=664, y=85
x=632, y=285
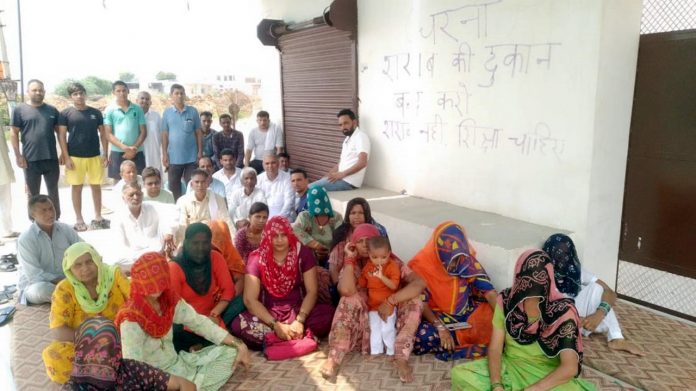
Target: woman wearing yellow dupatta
x=90, y=289
x=459, y=299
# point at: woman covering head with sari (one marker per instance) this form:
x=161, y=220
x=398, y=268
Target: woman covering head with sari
x=280, y=290
x=315, y=226
x=459, y=299
x=536, y=342
x=146, y=321
x=222, y=242
x=90, y=289
x=594, y=299
x=357, y=212
x=99, y=364
x=201, y=277
x=350, y=330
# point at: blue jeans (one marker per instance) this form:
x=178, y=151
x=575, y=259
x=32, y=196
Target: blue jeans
x=339, y=185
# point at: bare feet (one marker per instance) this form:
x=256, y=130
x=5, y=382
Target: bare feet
x=195, y=348
x=622, y=344
x=329, y=370
x=405, y=371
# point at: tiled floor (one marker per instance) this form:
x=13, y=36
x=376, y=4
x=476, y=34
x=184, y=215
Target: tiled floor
x=661, y=288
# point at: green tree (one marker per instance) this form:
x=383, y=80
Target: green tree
x=62, y=88
x=161, y=75
x=94, y=86
x=126, y=76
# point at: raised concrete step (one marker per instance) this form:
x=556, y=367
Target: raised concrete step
x=410, y=221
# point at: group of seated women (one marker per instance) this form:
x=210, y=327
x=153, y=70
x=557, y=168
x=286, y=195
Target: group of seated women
x=188, y=322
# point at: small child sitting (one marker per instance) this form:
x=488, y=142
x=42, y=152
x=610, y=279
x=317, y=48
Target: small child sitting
x=381, y=278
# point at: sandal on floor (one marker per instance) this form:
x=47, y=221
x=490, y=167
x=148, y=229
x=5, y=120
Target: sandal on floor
x=7, y=267
x=6, y=314
x=11, y=235
x=9, y=258
x=80, y=227
x=10, y=289
x=100, y=224
x=4, y=297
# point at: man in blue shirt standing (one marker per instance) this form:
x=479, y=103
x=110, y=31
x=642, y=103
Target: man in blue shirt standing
x=124, y=123
x=182, y=140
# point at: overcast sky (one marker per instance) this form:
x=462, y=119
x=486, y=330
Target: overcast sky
x=196, y=39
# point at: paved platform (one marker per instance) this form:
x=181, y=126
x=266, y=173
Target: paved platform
x=410, y=221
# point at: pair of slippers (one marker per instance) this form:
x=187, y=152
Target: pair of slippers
x=7, y=293
x=8, y=263
x=6, y=314
x=93, y=225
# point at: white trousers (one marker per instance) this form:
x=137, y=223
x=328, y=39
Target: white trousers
x=587, y=302
x=38, y=293
x=382, y=333
x=5, y=209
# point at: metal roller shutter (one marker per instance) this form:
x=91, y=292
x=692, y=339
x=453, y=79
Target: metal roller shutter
x=319, y=78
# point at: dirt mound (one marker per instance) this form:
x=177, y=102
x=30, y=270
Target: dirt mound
x=217, y=103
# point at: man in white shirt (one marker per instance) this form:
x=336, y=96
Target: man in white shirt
x=201, y=206
x=349, y=173
x=206, y=164
x=267, y=137
x=242, y=198
x=277, y=188
x=139, y=228
x=152, y=145
x=228, y=175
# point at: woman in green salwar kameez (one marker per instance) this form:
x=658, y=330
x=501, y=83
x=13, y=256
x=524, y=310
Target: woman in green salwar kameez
x=536, y=343
x=145, y=323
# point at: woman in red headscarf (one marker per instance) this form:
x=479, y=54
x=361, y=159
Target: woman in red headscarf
x=280, y=289
x=146, y=320
x=350, y=328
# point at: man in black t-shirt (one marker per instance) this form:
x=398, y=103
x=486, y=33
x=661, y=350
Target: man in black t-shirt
x=85, y=125
x=37, y=122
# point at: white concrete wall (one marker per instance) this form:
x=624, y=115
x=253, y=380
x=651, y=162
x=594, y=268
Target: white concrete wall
x=294, y=11
x=532, y=122
x=618, y=49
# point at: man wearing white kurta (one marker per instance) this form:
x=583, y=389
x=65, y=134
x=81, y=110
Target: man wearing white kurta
x=229, y=175
x=201, y=206
x=349, y=173
x=241, y=199
x=277, y=188
x=153, y=144
x=139, y=228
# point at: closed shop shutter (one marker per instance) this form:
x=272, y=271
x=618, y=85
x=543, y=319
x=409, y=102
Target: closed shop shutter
x=319, y=78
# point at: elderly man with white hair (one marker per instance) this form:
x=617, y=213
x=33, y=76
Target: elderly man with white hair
x=141, y=227
x=241, y=198
x=277, y=187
